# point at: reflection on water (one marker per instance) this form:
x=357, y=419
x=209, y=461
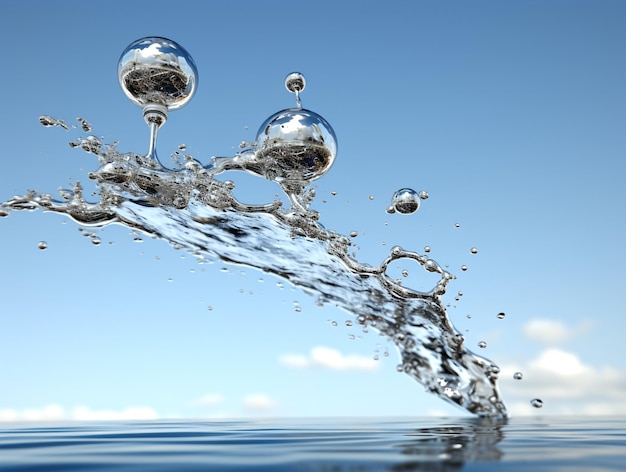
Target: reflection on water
x=453, y=445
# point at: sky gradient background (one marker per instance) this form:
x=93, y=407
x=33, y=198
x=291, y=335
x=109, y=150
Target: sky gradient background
x=510, y=114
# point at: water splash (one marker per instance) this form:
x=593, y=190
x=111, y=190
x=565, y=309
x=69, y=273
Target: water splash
x=195, y=211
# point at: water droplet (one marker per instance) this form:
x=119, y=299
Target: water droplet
x=138, y=240
x=371, y=197
x=47, y=120
x=351, y=337
x=501, y=316
x=463, y=268
x=297, y=308
x=536, y=402
x=96, y=241
x=84, y=124
x=469, y=317
x=482, y=344
x=457, y=225
x=405, y=273
x=390, y=209
x=423, y=194
x=405, y=201
x=155, y=70
x=42, y=245
x=333, y=323
x=376, y=357
x=474, y=250
x=333, y=193
x=353, y=234
x=430, y=265
x=295, y=144
x=518, y=376
x=210, y=308
x=460, y=294
x=348, y=323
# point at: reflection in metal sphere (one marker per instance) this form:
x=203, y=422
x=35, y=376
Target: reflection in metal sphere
x=157, y=71
x=296, y=145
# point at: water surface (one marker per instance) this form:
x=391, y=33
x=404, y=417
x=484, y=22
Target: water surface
x=324, y=444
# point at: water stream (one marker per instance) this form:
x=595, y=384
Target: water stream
x=193, y=208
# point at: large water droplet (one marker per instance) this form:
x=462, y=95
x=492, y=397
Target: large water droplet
x=42, y=245
x=157, y=71
x=474, y=250
x=294, y=145
x=405, y=201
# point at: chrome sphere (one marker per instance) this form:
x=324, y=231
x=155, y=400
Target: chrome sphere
x=296, y=145
x=405, y=201
x=157, y=71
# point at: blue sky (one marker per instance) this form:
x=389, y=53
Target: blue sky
x=510, y=114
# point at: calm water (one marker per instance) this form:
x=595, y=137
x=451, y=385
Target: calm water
x=351, y=444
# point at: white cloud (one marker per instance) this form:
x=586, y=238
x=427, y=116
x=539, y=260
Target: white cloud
x=559, y=363
x=258, y=402
x=550, y=332
x=329, y=358
x=47, y=413
x=565, y=384
x=81, y=413
x=210, y=400
x=547, y=331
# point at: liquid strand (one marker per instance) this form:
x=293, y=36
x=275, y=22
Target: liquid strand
x=195, y=211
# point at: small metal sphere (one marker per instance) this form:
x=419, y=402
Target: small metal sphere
x=157, y=71
x=295, y=82
x=405, y=201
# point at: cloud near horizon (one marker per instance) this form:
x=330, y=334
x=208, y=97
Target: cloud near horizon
x=328, y=358
x=55, y=412
x=560, y=378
